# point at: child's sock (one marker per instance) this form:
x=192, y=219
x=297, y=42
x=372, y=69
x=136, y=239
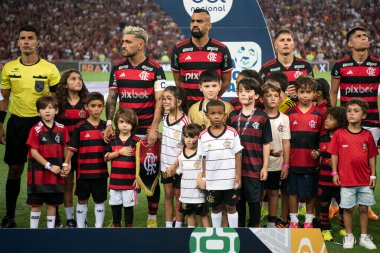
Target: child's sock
x=152, y=217
x=69, y=213
x=265, y=205
x=293, y=217
x=50, y=221
x=309, y=218
x=362, y=236
x=34, y=219
x=233, y=219
x=99, y=215
x=169, y=224
x=190, y=226
x=216, y=219
x=128, y=216
x=178, y=224
x=81, y=215
x=116, y=215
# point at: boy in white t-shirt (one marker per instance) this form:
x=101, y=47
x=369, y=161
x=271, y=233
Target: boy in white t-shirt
x=280, y=148
x=220, y=147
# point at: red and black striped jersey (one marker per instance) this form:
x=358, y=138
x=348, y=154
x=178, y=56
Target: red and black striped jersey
x=73, y=115
x=325, y=169
x=190, y=61
x=359, y=81
x=87, y=141
x=322, y=107
x=50, y=144
x=137, y=86
x=252, y=137
x=123, y=168
x=305, y=129
x=237, y=106
x=298, y=68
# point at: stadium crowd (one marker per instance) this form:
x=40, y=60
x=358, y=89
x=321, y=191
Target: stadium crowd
x=90, y=29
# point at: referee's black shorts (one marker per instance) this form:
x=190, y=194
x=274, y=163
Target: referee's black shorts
x=17, y=134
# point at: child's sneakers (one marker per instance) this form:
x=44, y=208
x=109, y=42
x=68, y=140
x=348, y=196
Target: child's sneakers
x=308, y=225
x=280, y=223
x=302, y=209
x=151, y=223
x=327, y=235
x=294, y=225
x=372, y=215
x=264, y=212
x=342, y=232
x=366, y=242
x=349, y=241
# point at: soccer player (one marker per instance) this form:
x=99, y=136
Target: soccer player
x=286, y=62
x=220, y=147
x=353, y=154
x=87, y=141
x=192, y=56
x=138, y=81
x=357, y=75
x=305, y=126
x=27, y=79
x=47, y=144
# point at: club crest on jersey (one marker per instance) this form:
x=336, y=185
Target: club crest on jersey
x=364, y=147
x=82, y=114
x=297, y=74
x=197, y=165
x=227, y=144
x=255, y=125
x=312, y=123
x=177, y=135
x=371, y=71
x=280, y=128
x=57, y=139
x=211, y=57
x=144, y=76
x=39, y=86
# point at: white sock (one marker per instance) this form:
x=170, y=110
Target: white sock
x=50, y=221
x=169, y=224
x=81, y=215
x=34, y=219
x=362, y=236
x=99, y=215
x=216, y=219
x=233, y=219
x=293, y=217
x=69, y=213
x=271, y=225
x=265, y=205
x=178, y=224
x=152, y=217
x=309, y=217
x=190, y=226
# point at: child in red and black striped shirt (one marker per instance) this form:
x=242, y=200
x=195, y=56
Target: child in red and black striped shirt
x=121, y=151
x=327, y=190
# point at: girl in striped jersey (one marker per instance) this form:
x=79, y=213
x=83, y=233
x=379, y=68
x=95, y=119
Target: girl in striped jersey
x=190, y=167
x=175, y=106
x=322, y=96
x=71, y=94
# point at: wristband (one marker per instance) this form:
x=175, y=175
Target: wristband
x=334, y=173
x=48, y=166
x=203, y=179
x=109, y=122
x=285, y=166
x=65, y=165
x=2, y=116
x=372, y=177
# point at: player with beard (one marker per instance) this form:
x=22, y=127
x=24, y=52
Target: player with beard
x=286, y=62
x=192, y=56
x=138, y=81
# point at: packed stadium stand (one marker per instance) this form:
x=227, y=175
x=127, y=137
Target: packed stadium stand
x=90, y=29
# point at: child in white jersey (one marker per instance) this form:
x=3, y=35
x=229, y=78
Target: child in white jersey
x=174, y=103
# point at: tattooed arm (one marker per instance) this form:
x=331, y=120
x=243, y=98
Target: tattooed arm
x=110, y=110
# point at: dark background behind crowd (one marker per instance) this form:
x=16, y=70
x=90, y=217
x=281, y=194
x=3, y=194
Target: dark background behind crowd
x=91, y=29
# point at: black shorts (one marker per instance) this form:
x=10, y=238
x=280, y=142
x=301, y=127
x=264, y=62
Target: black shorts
x=175, y=180
x=197, y=209
x=326, y=193
x=273, y=181
x=17, y=134
x=215, y=198
x=302, y=185
x=51, y=199
x=95, y=187
x=253, y=189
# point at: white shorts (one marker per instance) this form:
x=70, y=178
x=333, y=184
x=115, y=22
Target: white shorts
x=126, y=198
x=375, y=133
